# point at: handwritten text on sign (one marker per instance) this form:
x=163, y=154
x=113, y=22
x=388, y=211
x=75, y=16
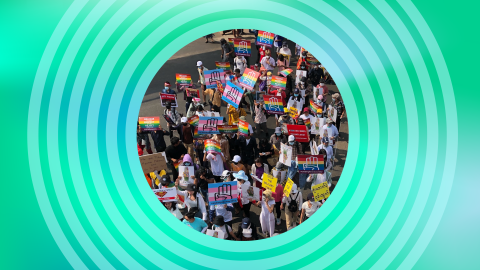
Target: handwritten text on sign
x=321, y=191
x=269, y=182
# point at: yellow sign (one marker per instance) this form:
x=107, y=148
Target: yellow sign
x=293, y=112
x=269, y=182
x=288, y=187
x=321, y=191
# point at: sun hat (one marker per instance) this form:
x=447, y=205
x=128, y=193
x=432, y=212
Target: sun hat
x=219, y=221
x=291, y=138
x=199, y=63
x=224, y=174
x=184, y=119
x=236, y=158
x=240, y=175
x=278, y=130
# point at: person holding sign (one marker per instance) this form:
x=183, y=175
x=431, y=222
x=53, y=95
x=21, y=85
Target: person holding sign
x=292, y=203
x=194, y=201
x=267, y=219
x=219, y=225
x=330, y=130
x=168, y=90
x=242, y=179
x=278, y=196
x=309, y=208
x=173, y=208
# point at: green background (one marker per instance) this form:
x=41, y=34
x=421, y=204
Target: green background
x=72, y=79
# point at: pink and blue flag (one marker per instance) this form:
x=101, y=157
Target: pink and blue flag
x=232, y=94
x=222, y=193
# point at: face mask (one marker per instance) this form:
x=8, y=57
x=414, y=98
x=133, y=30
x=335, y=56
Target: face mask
x=303, y=56
x=166, y=87
x=268, y=57
x=278, y=134
x=333, y=99
x=291, y=143
x=270, y=78
x=302, y=67
x=295, y=95
x=186, y=164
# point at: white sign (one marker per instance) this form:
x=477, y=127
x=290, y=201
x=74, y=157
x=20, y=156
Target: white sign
x=166, y=194
x=216, y=234
x=186, y=173
x=286, y=154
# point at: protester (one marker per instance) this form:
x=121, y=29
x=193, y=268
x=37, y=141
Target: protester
x=267, y=219
x=236, y=166
x=201, y=77
x=248, y=149
x=194, y=222
x=247, y=231
x=281, y=63
x=243, y=183
x=216, y=164
x=265, y=151
x=267, y=62
x=309, y=208
x=193, y=200
x=240, y=63
x=330, y=127
x=260, y=119
x=143, y=141
x=277, y=42
x=174, y=116
x=234, y=114
x=219, y=225
x=175, y=152
x=186, y=133
x=291, y=205
x=286, y=53
x=224, y=210
x=173, y=209
x=337, y=103
x=168, y=90
x=325, y=145
x=227, y=52
x=203, y=177
x=278, y=196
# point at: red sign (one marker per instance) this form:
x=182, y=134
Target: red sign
x=299, y=131
x=168, y=97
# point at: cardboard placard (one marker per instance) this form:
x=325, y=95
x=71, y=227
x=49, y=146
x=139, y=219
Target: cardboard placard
x=153, y=162
x=166, y=194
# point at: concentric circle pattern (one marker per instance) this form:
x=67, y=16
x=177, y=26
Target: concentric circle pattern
x=90, y=85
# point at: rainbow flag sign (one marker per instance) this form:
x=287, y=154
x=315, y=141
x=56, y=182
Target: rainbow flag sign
x=249, y=78
x=197, y=136
x=242, y=47
x=212, y=76
x=176, y=164
x=228, y=129
x=286, y=72
x=231, y=41
x=313, y=61
x=243, y=127
x=307, y=122
x=222, y=193
x=310, y=163
x=273, y=104
x=279, y=82
x=265, y=38
x=183, y=79
x=232, y=94
x=315, y=107
x=223, y=65
x=193, y=120
x=149, y=123
x=208, y=124
x=212, y=146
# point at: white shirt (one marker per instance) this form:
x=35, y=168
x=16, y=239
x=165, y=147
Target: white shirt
x=297, y=196
x=176, y=212
x=328, y=149
x=312, y=120
x=216, y=164
x=220, y=211
x=202, y=113
x=189, y=203
x=223, y=229
x=310, y=211
x=240, y=63
x=268, y=64
x=247, y=184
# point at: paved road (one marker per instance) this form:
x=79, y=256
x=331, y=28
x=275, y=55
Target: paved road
x=184, y=61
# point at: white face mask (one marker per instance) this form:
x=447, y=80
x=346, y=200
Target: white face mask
x=268, y=57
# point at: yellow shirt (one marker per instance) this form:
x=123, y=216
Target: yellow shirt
x=234, y=115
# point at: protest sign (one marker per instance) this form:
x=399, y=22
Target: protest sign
x=280, y=175
x=293, y=112
x=193, y=120
x=288, y=187
x=312, y=61
x=153, y=162
x=332, y=113
x=209, y=124
x=310, y=164
x=300, y=75
x=186, y=173
x=193, y=93
x=285, y=154
x=228, y=129
x=313, y=147
x=250, y=192
x=279, y=82
x=216, y=234
x=242, y=47
x=295, y=104
x=317, y=125
x=299, y=131
x=286, y=72
x=220, y=85
x=166, y=194
x=223, y=65
x=149, y=123
x=168, y=97
x=248, y=79
x=232, y=94
x=315, y=107
x=273, y=104
x=183, y=79
x=265, y=38
x=269, y=182
x=222, y=193
x=231, y=42
x=321, y=191
x=168, y=119
x=212, y=76
x=243, y=127
x=197, y=136
x=212, y=146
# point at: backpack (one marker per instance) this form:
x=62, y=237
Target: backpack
x=229, y=237
x=293, y=206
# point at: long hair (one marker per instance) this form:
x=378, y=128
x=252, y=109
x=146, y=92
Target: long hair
x=174, y=206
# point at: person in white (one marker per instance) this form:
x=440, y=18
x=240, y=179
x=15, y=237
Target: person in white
x=173, y=208
x=267, y=62
x=224, y=210
x=320, y=178
x=290, y=213
x=330, y=129
x=287, y=53
x=193, y=199
x=216, y=162
x=220, y=225
x=306, y=115
x=241, y=63
x=267, y=219
x=243, y=184
x=309, y=208
x=328, y=148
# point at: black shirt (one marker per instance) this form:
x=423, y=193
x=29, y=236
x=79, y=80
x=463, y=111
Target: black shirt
x=201, y=182
x=175, y=152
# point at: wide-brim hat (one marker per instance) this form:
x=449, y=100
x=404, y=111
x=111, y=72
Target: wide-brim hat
x=240, y=175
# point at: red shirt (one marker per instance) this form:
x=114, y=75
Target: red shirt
x=262, y=53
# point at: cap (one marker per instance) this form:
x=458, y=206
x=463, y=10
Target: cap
x=320, y=97
x=219, y=221
x=325, y=140
x=294, y=188
x=269, y=73
x=199, y=63
x=224, y=174
x=184, y=119
x=245, y=223
x=165, y=180
x=310, y=197
x=322, y=84
x=167, y=84
x=240, y=175
x=329, y=120
x=291, y=138
x=306, y=109
x=191, y=187
x=296, y=91
x=278, y=130
x=243, y=118
x=236, y=158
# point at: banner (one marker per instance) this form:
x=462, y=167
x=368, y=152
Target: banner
x=193, y=120
x=273, y=104
x=279, y=82
x=153, y=162
x=193, y=93
x=300, y=74
x=149, y=123
x=197, y=136
x=212, y=76
x=321, y=191
x=265, y=38
x=248, y=79
x=186, y=173
x=269, y=182
x=243, y=127
x=285, y=154
x=223, y=65
x=315, y=107
x=313, y=61
x=242, y=47
x=251, y=192
x=183, y=79
x=168, y=97
x=212, y=146
x=286, y=72
x=166, y=194
x=228, y=129
x=232, y=94
x=317, y=126
x=222, y=193
x=208, y=124
x=299, y=131
x=332, y=113
x=310, y=164
x=288, y=187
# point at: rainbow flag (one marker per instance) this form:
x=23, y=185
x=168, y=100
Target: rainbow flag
x=307, y=122
x=149, y=123
x=231, y=41
x=265, y=38
x=198, y=136
x=228, y=128
x=310, y=164
x=286, y=72
x=242, y=47
x=313, y=61
x=248, y=79
x=273, y=104
x=176, y=164
x=223, y=65
x=212, y=146
x=193, y=120
x=279, y=82
x=315, y=107
x=183, y=79
x=243, y=127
